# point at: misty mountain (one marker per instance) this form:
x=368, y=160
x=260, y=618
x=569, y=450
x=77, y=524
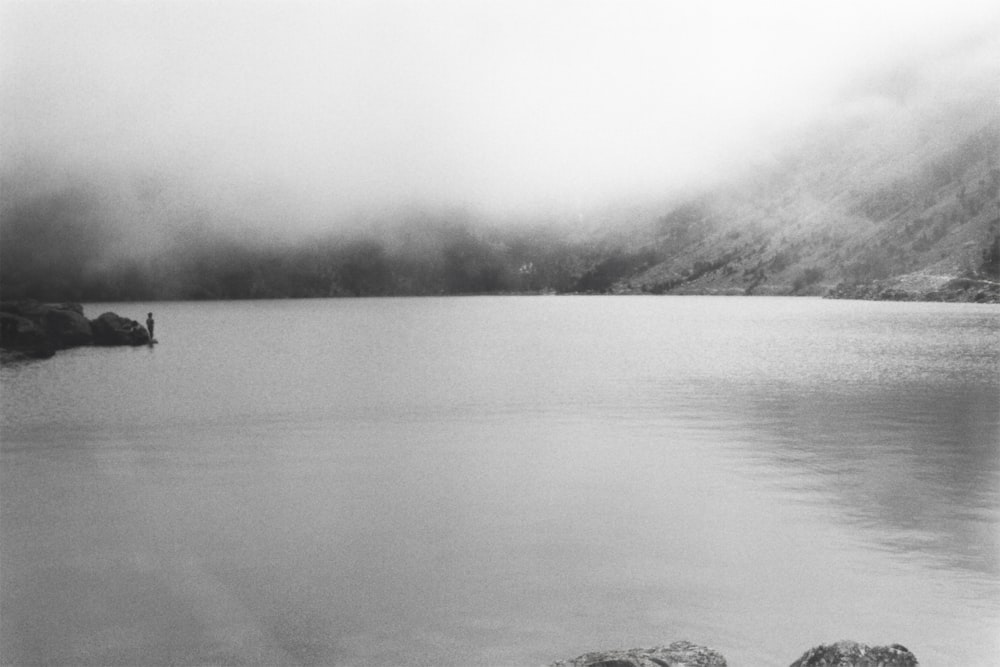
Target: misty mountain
x=910, y=203
x=894, y=193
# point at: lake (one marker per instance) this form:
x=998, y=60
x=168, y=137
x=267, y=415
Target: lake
x=505, y=481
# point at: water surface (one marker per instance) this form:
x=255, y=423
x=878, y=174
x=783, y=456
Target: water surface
x=505, y=481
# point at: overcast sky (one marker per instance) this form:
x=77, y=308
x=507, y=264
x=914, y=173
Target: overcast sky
x=321, y=109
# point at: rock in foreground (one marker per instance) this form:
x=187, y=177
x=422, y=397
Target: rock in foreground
x=686, y=654
x=678, y=654
x=853, y=654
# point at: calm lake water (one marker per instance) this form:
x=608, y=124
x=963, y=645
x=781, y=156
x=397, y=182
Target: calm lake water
x=506, y=481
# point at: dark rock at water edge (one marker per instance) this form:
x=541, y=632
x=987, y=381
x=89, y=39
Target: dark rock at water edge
x=29, y=323
x=67, y=325
x=686, y=654
x=35, y=330
x=853, y=654
x=29, y=329
x=678, y=654
x=112, y=329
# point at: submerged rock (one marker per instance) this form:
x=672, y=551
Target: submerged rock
x=678, y=654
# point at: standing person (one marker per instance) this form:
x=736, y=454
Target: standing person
x=149, y=325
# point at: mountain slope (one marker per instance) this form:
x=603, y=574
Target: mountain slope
x=909, y=201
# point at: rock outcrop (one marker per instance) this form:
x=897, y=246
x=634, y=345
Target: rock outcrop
x=853, y=654
x=112, y=329
x=66, y=325
x=32, y=329
x=678, y=654
x=686, y=654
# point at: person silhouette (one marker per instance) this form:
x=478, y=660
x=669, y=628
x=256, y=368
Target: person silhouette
x=149, y=325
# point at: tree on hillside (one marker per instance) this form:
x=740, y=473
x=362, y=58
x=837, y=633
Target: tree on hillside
x=991, y=259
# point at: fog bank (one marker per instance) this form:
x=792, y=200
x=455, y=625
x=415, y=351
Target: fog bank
x=132, y=130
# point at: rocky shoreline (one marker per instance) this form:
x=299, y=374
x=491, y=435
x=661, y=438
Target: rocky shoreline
x=686, y=654
x=29, y=329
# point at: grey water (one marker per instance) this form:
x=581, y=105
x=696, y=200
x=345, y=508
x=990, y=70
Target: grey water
x=505, y=481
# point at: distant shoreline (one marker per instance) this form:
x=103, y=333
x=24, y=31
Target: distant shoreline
x=964, y=290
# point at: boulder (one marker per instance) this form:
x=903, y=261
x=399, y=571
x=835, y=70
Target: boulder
x=18, y=331
x=112, y=329
x=853, y=654
x=67, y=327
x=40, y=328
x=678, y=654
x=20, y=338
x=686, y=654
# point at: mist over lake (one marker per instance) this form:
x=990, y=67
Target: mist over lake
x=505, y=481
